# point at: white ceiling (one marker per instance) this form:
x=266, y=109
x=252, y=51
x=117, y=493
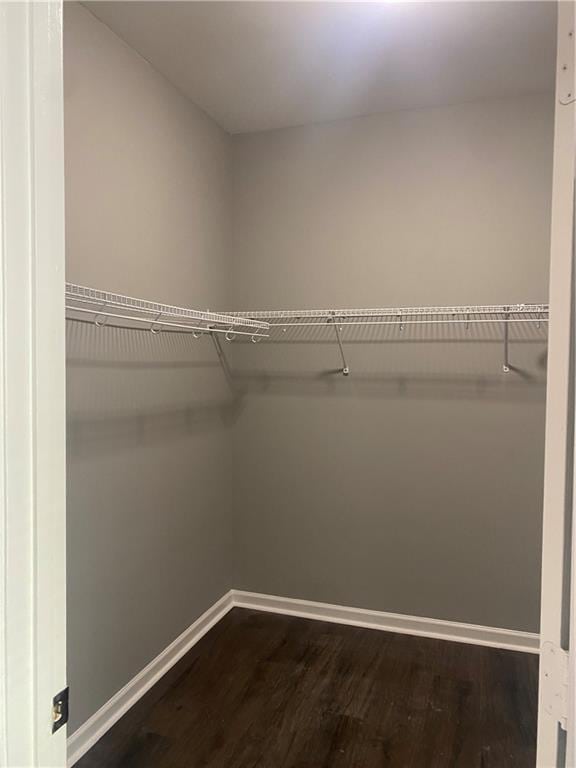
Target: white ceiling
x=260, y=65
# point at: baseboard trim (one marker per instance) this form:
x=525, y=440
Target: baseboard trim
x=102, y=720
x=493, y=637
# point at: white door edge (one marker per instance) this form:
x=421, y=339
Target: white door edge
x=558, y=458
x=32, y=388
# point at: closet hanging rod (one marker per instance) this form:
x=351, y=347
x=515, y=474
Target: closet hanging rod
x=81, y=300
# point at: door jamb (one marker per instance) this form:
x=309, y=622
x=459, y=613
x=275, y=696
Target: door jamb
x=559, y=411
x=32, y=384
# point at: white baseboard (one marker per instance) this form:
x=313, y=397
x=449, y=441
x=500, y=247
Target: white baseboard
x=102, y=720
x=391, y=622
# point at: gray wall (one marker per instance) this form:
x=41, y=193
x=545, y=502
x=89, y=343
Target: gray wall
x=147, y=213
x=414, y=486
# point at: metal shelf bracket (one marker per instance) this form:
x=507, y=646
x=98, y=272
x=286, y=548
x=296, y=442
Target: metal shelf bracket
x=506, y=364
x=345, y=368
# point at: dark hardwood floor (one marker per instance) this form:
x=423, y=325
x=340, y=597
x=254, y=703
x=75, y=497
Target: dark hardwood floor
x=266, y=691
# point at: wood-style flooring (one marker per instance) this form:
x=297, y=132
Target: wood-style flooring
x=267, y=691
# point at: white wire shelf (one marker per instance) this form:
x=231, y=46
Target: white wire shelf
x=473, y=314
x=90, y=305
x=103, y=308
x=486, y=315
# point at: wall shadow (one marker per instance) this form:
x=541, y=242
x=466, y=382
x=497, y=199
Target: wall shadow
x=128, y=388
x=419, y=362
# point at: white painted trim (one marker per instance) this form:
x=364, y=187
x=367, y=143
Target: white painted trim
x=391, y=622
x=560, y=378
x=102, y=720
x=32, y=397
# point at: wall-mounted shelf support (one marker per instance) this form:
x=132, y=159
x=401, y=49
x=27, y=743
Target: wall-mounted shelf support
x=217, y=341
x=506, y=364
x=345, y=368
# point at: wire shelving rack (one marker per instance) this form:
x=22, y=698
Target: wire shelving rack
x=103, y=308
x=401, y=316
x=488, y=315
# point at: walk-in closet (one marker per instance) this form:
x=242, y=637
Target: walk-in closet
x=308, y=307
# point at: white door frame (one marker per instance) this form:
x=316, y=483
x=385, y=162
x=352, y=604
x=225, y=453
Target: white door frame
x=556, y=546
x=32, y=385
